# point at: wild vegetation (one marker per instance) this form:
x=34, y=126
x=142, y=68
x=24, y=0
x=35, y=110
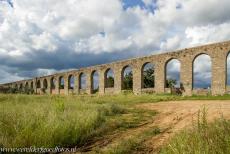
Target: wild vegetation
x=149, y=78
x=76, y=121
x=134, y=144
x=51, y=121
x=202, y=138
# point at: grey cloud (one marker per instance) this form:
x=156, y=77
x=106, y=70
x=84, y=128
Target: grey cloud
x=43, y=39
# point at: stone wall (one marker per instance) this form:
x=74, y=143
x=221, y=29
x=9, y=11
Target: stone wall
x=218, y=53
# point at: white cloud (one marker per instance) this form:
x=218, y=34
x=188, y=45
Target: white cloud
x=44, y=41
x=148, y=2
x=170, y=43
x=202, y=64
x=41, y=72
x=33, y=31
x=208, y=34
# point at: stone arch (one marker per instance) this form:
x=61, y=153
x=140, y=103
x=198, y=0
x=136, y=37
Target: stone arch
x=95, y=81
x=172, y=73
x=38, y=84
x=109, y=78
x=20, y=86
x=148, y=75
x=32, y=85
x=202, y=71
x=71, y=81
x=82, y=81
x=61, y=82
x=27, y=85
x=127, y=78
x=16, y=86
x=45, y=84
x=53, y=83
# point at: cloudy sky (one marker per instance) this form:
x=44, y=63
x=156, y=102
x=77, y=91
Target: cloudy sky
x=39, y=37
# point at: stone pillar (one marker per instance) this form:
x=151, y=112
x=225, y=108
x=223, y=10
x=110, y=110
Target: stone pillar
x=219, y=63
x=57, y=85
x=117, y=79
x=49, y=86
x=41, y=86
x=186, y=75
x=35, y=85
x=160, y=76
x=66, y=84
x=89, y=82
x=42, y=83
x=137, y=77
x=101, y=82
x=76, y=83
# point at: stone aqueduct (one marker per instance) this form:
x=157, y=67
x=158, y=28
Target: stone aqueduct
x=218, y=53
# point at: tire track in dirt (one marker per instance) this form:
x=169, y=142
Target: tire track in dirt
x=176, y=115
x=173, y=116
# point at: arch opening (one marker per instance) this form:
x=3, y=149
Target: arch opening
x=127, y=78
x=202, y=72
x=38, y=84
x=82, y=81
x=20, y=86
x=61, y=82
x=53, y=83
x=109, y=78
x=27, y=85
x=45, y=84
x=148, y=75
x=32, y=85
x=172, y=79
x=71, y=81
x=95, y=82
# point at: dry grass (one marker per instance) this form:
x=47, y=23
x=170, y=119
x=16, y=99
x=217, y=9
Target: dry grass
x=202, y=138
x=49, y=121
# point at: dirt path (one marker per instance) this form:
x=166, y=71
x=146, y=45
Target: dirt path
x=173, y=116
x=176, y=115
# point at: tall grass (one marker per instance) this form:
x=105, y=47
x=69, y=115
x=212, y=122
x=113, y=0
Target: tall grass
x=203, y=138
x=49, y=121
x=45, y=121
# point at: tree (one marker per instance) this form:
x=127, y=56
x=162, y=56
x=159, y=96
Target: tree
x=149, y=78
x=170, y=83
x=128, y=81
x=96, y=89
x=110, y=82
x=61, y=86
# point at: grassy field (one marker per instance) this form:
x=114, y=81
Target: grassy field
x=75, y=121
x=51, y=121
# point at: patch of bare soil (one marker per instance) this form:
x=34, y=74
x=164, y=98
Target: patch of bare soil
x=176, y=115
x=173, y=116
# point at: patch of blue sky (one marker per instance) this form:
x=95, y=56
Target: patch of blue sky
x=10, y=2
x=102, y=34
x=134, y=3
x=179, y=6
